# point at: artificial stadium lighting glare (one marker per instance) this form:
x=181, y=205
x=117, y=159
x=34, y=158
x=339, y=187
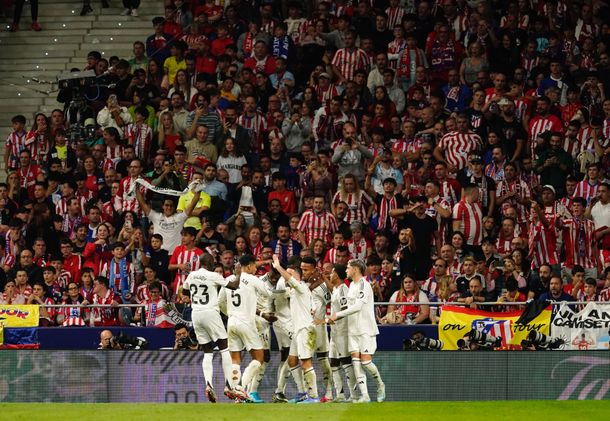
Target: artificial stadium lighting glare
x=120, y=24
x=37, y=66
x=73, y=12
x=111, y=39
x=64, y=25
x=55, y=39
x=46, y=53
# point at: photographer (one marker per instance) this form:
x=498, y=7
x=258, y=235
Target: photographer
x=123, y=341
x=184, y=338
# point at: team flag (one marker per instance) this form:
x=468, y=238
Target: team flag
x=456, y=322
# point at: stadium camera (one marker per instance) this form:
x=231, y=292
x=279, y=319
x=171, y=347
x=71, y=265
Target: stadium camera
x=419, y=342
x=484, y=339
x=128, y=342
x=541, y=342
x=76, y=80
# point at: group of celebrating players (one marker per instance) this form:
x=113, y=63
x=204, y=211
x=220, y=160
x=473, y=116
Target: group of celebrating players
x=295, y=302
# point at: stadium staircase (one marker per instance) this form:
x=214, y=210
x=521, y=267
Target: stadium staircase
x=63, y=43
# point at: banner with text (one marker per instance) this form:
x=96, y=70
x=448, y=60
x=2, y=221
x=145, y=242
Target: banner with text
x=19, y=316
x=457, y=322
x=585, y=329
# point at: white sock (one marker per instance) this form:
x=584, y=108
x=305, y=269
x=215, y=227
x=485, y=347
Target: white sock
x=338, y=381
x=360, y=377
x=235, y=374
x=256, y=381
x=208, y=367
x=227, y=365
x=282, y=377
x=371, y=369
x=297, y=375
x=350, y=377
x=327, y=376
x=311, y=382
x=250, y=372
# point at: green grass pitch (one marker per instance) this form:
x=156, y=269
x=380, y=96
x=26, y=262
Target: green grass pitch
x=505, y=410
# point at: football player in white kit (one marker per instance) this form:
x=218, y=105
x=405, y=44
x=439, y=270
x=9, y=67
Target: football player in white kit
x=203, y=286
x=339, y=352
x=241, y=327
x=282, y=327
x=264, y=318
x=321, y=298
x=303, y=343
x=362, y=329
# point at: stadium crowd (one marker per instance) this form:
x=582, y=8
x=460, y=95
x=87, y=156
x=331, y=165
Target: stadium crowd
x=459, y=148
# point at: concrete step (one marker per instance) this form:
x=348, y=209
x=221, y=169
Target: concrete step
x=43, y=40
x=142, y=18
x=138, y=32
x=134, y=24
x=43, y=67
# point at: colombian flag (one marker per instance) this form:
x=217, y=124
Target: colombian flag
x=19, y=326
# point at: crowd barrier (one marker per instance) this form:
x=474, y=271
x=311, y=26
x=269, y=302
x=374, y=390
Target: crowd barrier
x=176, y=376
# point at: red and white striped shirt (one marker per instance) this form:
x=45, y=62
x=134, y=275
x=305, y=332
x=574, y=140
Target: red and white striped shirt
x=606, y=129
x=395, y=15
x=528, y=63
x=521, y=190
x=317, y=225
x=542, y=245
x=358, y=249
x=357, y=205
x=39, y=146
x=143, y=293
x=458, y=145
x=256, y=125
x=106, y=316
x=15, y=143
x=115, y=153
x=180, y=256
x=127, y=194
x=396, y=47
x=504, y=245
x=539, y=125
x=349, y=61
x=73, y=316
x=579, y=243
x=470, y=217
x=140, y=136
x=586, y=190
x=324, y=96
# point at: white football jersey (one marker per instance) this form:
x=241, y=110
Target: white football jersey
x=241, y=303
x=301, y=303
x=280, y=304
x=360, y=309
x=321, y=298
x=203, y=286
x=338, y=302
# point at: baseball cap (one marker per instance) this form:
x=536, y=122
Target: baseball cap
x=549, y=187
x=474, y=159
x=505, y=101
x=325, y=75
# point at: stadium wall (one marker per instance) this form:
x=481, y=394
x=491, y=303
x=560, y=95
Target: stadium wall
x=175, y=376
x=390, y=337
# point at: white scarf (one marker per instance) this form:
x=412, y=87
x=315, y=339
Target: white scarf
x=195, y=186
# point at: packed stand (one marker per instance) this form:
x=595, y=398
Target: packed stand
x=459, y=148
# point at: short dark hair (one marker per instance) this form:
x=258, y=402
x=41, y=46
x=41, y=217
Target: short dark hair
x=246, y=260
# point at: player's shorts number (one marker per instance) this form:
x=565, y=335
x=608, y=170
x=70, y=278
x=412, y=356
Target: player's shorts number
x=236, y=298
x=200, y=295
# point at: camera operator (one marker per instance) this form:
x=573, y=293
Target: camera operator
x=184, y=338
x=123, y=341
x=350, y=155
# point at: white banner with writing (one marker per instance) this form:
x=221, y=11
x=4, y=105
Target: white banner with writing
x=584, y=329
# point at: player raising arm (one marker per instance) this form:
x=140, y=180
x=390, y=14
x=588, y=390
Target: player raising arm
x=303, y=343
